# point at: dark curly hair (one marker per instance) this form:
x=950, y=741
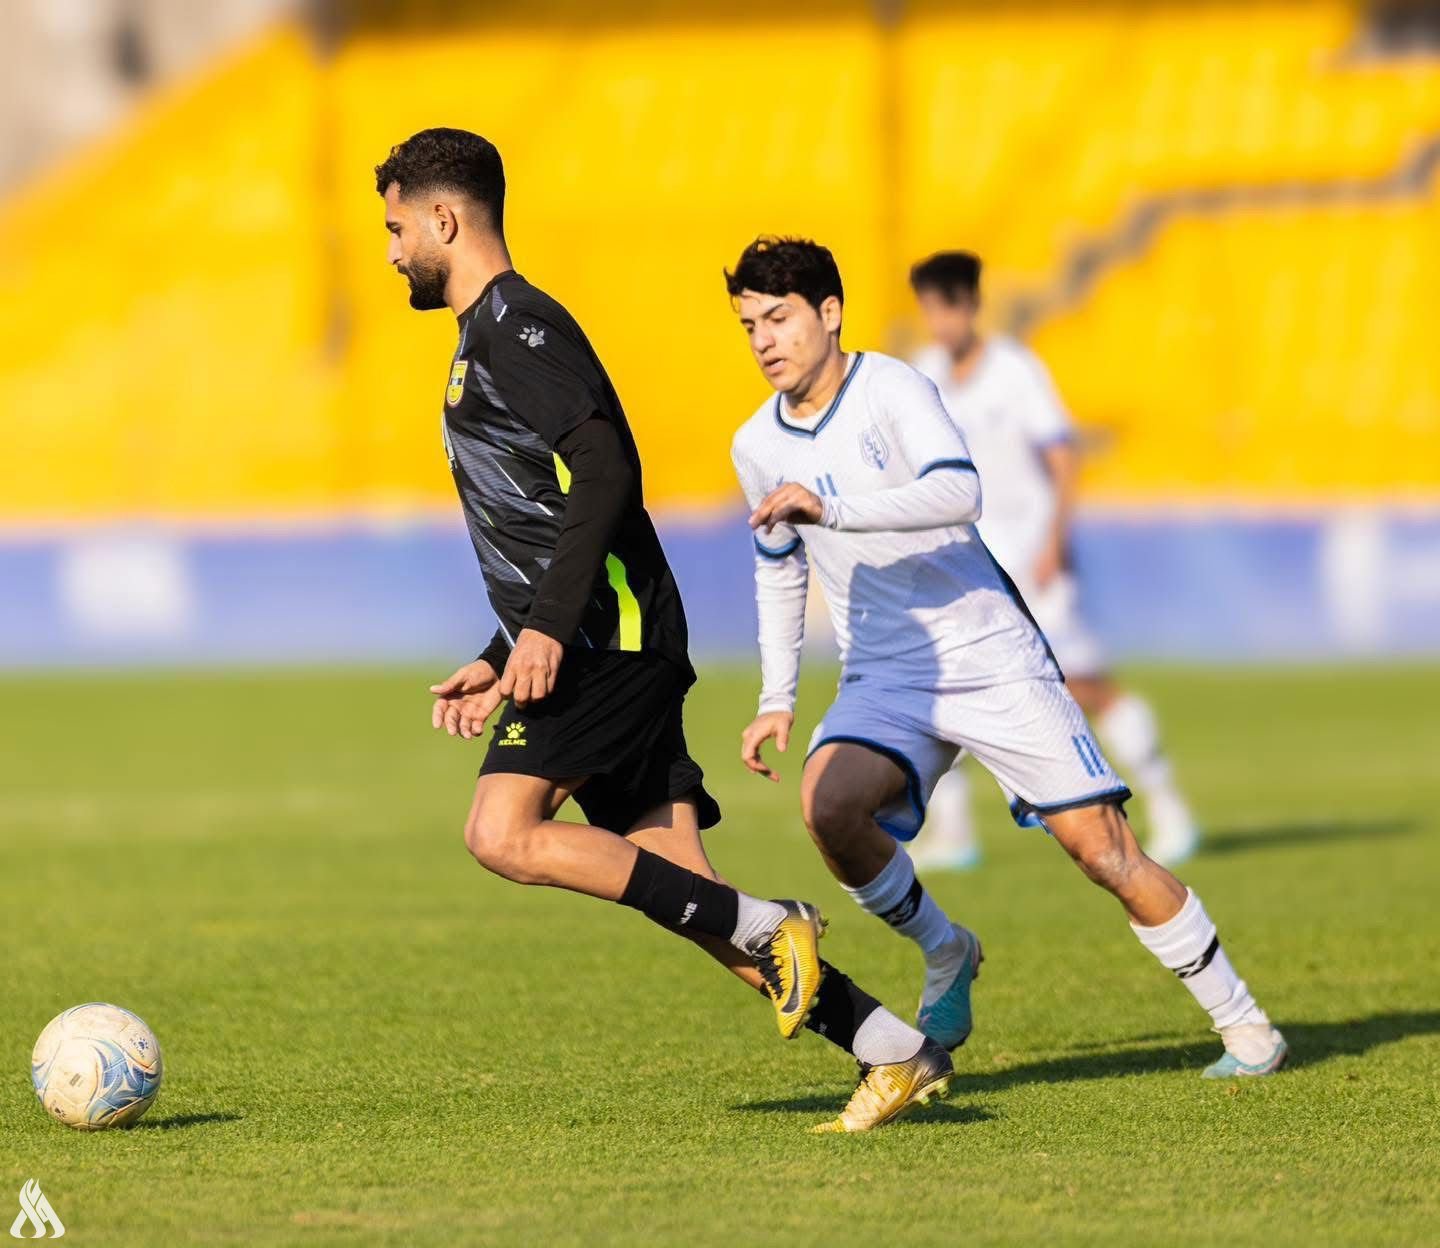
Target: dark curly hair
x=447, y=160
x=783, y=266
x=952, y=273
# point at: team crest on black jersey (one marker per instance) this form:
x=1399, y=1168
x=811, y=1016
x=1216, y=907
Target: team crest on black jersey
x=455, y=391
x=873, y=449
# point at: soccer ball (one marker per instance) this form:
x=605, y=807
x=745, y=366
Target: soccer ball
x=96, y=1066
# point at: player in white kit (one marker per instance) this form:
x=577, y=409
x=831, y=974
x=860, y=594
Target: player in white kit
x=856, y=469
x=1023, y=444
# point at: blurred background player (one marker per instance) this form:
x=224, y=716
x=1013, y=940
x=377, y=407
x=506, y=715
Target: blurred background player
x=1023, y=443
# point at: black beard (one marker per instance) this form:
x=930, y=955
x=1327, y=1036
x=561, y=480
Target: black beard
x=427, y=285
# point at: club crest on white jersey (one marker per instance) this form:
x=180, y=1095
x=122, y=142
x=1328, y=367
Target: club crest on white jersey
x=873, y=449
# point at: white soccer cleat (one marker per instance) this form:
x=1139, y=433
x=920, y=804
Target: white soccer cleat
x=1251, y=1049
x=947, y=857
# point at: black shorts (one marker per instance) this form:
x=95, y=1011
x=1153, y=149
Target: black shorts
x=614, y=718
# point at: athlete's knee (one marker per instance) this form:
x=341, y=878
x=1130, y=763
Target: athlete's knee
x=1107, y=853
x=485, y=839
x=501, y=842
x=1108, y=865
x=829, y=810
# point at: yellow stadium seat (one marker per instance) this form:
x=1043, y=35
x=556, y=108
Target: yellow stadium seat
x=201, y=322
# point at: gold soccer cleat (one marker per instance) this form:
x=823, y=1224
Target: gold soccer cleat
x=789, y=962
x=885, y=1092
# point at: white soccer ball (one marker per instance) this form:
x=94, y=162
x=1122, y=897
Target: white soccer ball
x=96, y=1066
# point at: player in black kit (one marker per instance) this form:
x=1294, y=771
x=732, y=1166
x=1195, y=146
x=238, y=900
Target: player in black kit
x=590, y=658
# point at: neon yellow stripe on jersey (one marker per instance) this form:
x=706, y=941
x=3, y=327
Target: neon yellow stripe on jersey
x=629, y=604
x=619, y=581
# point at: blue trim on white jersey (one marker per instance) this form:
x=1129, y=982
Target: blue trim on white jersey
x=895, y=831
x=776, y=554
x=964, y=464
x=1022, y=811
x=912, y=780
x=1025, y=817
x=829, y=411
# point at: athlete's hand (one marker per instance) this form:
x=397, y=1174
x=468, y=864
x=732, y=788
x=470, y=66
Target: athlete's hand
x=789, y=504
x=771, y=724
x=534, y=664
x=465, y=700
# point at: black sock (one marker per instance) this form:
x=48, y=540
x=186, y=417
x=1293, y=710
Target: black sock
x=680, y=899
x=840, y=1007
x=907, y=907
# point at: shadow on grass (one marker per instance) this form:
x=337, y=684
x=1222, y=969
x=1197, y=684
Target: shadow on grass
x=1104, y=1046
x=823, y=1106
x=1310, y=1044
x=1317, y=831
x=178, y=1122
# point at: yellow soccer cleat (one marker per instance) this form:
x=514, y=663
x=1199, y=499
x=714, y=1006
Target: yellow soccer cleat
x=789, y=962
x=885, y=1092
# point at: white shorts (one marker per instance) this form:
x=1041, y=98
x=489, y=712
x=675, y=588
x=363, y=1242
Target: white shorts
x=1056, y=609
x=1029, y=734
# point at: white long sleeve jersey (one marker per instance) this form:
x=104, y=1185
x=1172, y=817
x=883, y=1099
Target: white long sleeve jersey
x=914, y=596
x=1010, y=412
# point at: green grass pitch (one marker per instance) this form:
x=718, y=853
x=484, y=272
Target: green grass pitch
x=369, y=1040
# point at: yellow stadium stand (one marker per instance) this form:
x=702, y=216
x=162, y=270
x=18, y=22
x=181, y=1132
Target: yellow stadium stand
x=200, y=321
x=1298, y=368
x=163, y=310
x=641, y=158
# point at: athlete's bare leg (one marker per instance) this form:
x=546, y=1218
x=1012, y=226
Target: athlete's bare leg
x=1170, y=921
x=673, y=832
x=1127, y=726
x=512, y=831
x=1100, y=841
x=844, y=1014
x=843, y=786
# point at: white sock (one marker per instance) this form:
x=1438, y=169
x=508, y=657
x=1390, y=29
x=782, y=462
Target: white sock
x=1130, y=733
x=896, y=896
x=882, y=1038
x=755, y=920
x=949, y=827
x=1189, y=946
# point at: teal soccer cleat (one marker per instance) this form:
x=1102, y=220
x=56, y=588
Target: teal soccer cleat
x=945, y=1014
x=1258, y=1041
